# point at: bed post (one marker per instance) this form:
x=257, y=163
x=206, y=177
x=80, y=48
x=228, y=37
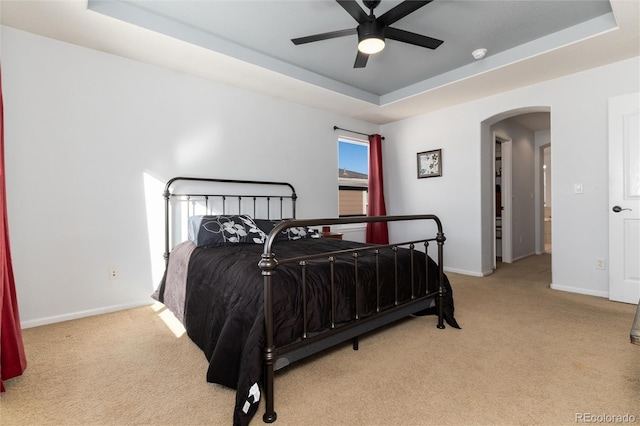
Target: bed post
x=268, y=265
x=166, y=195
x=440, y=238
x=294, y=198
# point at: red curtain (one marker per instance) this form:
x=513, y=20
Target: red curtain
x=12, y=359
x=377, y=232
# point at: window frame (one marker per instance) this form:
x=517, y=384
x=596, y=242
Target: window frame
x=352, y=187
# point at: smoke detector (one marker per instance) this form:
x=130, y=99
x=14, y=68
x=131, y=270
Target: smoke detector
x=479, y=53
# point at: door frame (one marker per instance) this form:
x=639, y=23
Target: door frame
x=540, y=191
x=506, y=198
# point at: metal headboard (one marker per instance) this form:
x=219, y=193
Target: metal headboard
x=229, y=194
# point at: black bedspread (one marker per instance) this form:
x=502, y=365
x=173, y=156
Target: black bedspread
x=224, y=312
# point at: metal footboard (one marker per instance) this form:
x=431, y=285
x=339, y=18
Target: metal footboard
x=277, y=357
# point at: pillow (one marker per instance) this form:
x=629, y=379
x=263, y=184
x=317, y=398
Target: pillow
x=299, y=232
x=222, y=229
x=293, y=233
x=267, y=226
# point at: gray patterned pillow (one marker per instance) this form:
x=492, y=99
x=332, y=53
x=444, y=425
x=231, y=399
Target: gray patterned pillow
x=293, y=233
x=299, y=232
x=224, y=229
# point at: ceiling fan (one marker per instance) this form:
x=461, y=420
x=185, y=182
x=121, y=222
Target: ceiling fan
x=372, y=31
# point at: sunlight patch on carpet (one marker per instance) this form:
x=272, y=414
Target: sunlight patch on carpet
x=169, y=319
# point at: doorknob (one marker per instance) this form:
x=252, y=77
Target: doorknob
x=618, y=209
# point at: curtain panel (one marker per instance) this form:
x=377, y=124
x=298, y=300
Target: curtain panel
x=12, y=357
x=377, y=233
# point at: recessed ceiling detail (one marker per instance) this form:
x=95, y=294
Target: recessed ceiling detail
x=247, y=44
x=259, y=32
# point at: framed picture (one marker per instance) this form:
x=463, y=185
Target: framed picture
x=430, y=163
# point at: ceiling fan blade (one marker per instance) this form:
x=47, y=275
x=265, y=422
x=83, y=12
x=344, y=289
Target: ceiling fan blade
x=354, y=10
x=412, y=38
x=401, y=10
x=324, y=36
x=361, y=60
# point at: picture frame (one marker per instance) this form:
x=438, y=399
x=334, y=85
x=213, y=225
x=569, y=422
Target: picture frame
x=430, y=163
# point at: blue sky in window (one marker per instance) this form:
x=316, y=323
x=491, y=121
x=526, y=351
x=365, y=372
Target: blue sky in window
x=353, y=156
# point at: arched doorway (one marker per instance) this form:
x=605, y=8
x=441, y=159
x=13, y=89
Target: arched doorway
x=524, y=223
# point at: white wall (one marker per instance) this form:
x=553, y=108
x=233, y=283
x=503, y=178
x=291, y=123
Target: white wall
x=578, y=105
x=90, y=139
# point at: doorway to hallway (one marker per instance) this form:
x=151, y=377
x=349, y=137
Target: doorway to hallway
x=517, y=184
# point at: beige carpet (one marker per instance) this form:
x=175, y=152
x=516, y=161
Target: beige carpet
x=525, y=355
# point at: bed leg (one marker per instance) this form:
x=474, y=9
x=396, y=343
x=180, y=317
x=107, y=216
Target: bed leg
x=268, y=264
x=269, y=415
x=355, y=341
x=440, y=301
x=440, y=311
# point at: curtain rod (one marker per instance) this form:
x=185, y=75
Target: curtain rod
x=352, y=131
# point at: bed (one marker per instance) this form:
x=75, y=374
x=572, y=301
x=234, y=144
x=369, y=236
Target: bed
x=258, y=289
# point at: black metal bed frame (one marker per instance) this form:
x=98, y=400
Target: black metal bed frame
x=274, y=357
x=266, y=198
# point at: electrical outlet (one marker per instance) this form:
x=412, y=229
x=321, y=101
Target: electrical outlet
x=113, y=273
x=600, y=264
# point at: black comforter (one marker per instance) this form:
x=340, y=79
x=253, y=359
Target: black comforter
x=224, y=312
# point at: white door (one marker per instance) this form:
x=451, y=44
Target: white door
x=624, y=198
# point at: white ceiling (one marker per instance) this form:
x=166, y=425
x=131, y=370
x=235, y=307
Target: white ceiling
x=247, y=44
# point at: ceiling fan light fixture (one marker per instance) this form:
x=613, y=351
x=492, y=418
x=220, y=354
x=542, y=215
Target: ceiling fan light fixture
x=371, y=45
x=370, y=37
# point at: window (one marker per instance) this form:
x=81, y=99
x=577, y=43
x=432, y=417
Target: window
x=353, y=177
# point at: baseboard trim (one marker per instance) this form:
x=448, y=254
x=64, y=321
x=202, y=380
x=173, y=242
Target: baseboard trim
x=523, y=257
x=464, y=272
x=82, y=314
x=579, y=290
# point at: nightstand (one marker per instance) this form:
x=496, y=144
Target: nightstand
x=334, y=235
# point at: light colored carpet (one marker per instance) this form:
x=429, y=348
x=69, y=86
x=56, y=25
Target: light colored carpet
x=526, y=355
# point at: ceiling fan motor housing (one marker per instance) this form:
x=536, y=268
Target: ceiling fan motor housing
x=371, y=29
x=371, y=4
